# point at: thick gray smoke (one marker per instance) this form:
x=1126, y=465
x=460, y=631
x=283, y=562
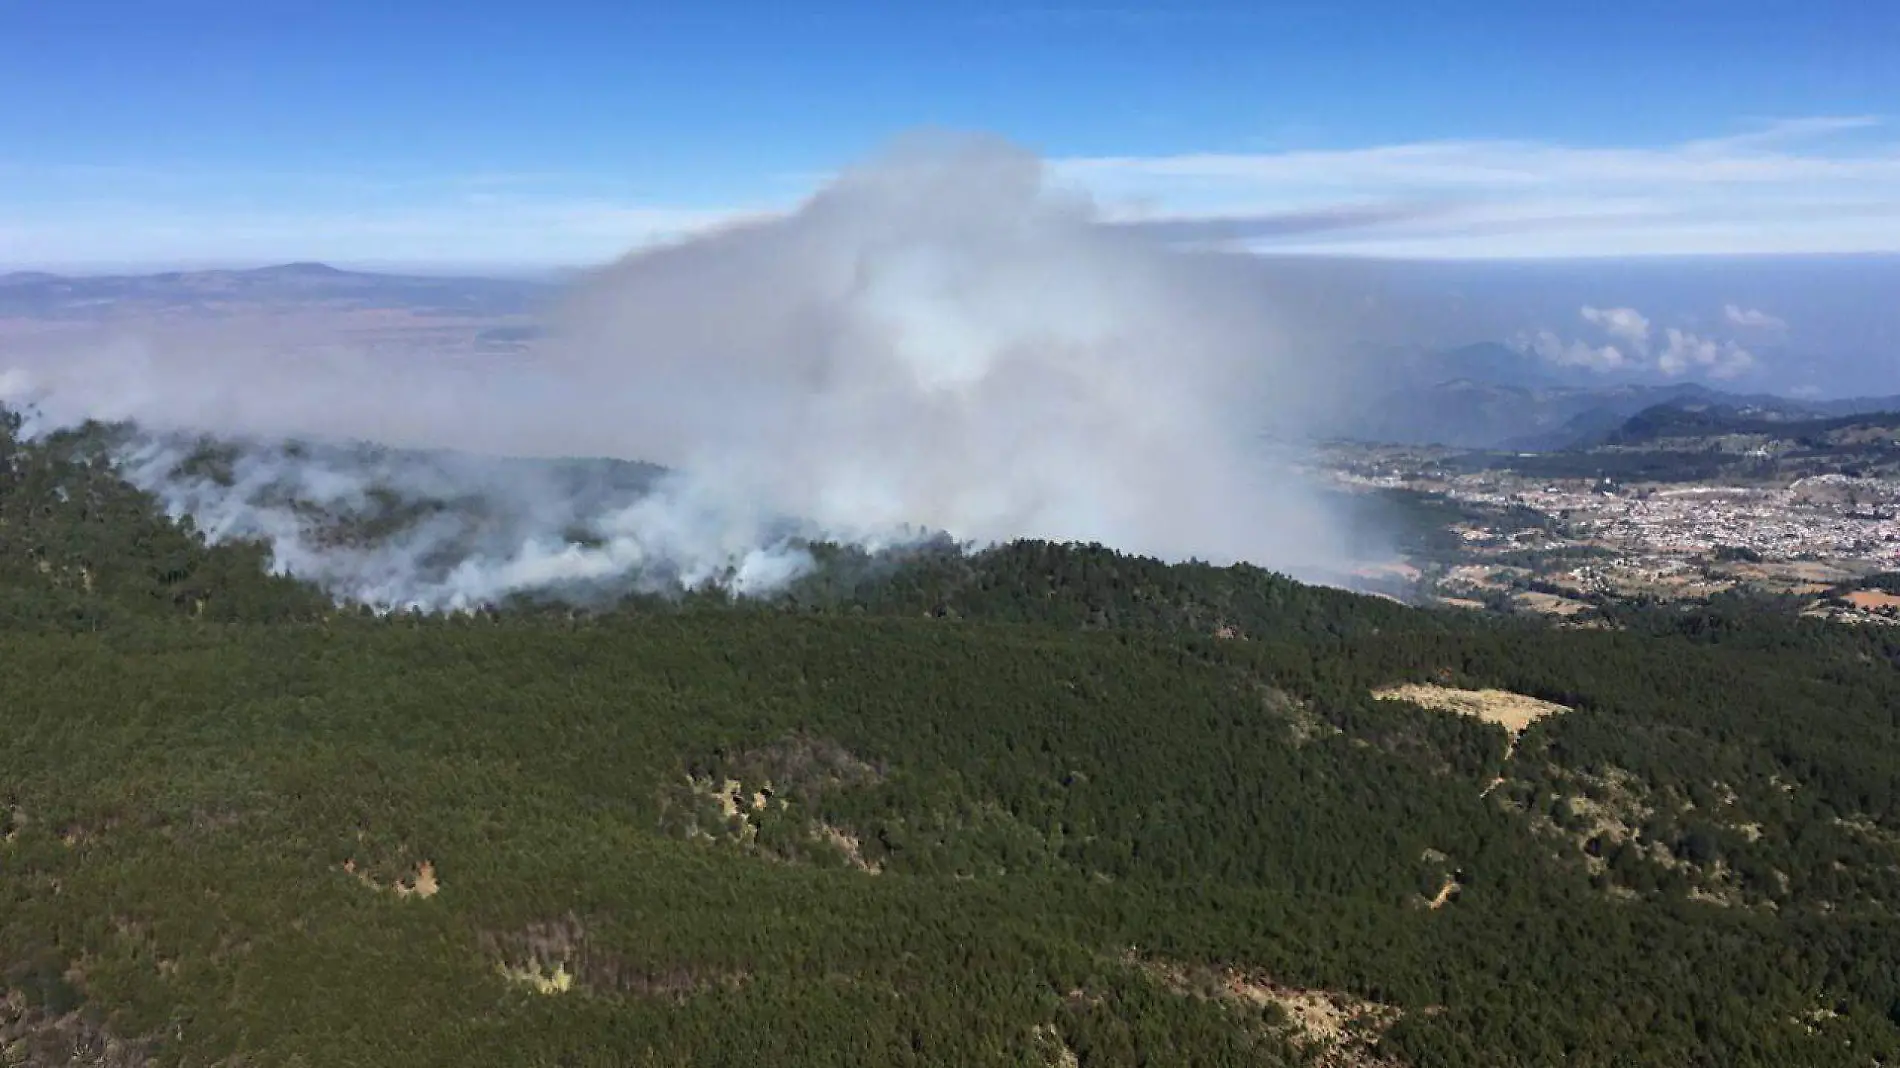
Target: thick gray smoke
x=936, y=341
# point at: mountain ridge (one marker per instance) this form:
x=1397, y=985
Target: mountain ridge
x=39, y=294
x=1471, y=412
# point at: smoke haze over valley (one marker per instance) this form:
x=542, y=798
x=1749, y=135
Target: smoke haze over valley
x=936, y=342
x=944, y=341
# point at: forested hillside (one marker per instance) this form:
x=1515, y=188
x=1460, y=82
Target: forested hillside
x=1042, y=805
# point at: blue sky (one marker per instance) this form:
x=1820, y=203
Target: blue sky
x=496, y=134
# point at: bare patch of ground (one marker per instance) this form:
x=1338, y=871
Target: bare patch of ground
x=774, y=789
x=540, y=978
x=541, y=956
x=1053, y=1049
x=1794, y=576
x=1593, y=813
x=1866, y=829
x=846, y=843
x=1602, y=813
x=1400, y=568
x=1482, y=576
x=1719, y=889
x=1451, y=880
x=1840, y=613
x=560, y=957
x=1809, y=571
x=1302, y=723
x=1873, y=600
x=741, y=812
x=1815, y=1019
x=1512, y=711
x=1333, y=1029
x=422, y=882
x=1550, y=604
x=1463, y=602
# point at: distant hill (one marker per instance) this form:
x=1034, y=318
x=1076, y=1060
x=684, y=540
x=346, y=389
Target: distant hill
x=1471, y=413
x=1486, y=361
x=1856, y=405
x=1709, y=421
x=39, y=295
x=1597, y=424
x=1489, y=396
x=1705, y=441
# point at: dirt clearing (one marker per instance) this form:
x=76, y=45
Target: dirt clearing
x=1512, y=711
x=1872, y=600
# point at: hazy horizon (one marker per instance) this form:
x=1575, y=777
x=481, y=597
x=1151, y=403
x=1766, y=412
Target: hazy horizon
x=1808, y=325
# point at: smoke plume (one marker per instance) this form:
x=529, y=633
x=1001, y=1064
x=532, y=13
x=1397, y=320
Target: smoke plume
x=939, y=340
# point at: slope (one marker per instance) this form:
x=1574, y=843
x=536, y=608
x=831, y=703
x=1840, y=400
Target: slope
x=1044, y=803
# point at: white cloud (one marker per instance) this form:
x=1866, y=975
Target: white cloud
x=1803, y=185
x=1688, y=352
x=1682, y=353
x=1812, y=185
x=1752, y=318
x=1627, y=324
x=1548, y=346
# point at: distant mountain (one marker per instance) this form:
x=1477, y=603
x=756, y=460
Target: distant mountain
x=39, y=295
x=1470, y=413
x=1487, y=362
x=300, y=270
x=1490, y=396
x=1595, y=424
x=1856, y=405
x=24, y=278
